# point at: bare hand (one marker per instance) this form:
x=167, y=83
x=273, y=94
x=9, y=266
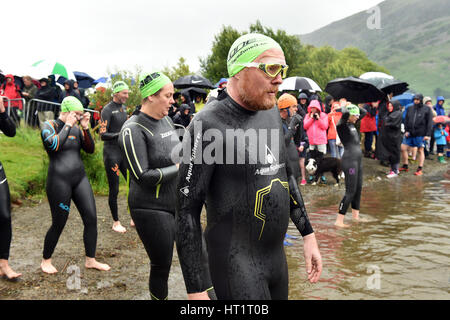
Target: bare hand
x=426, y=138
x=407, y=134
x=71, y=119
x=313, y=258
x=301, y=148
x=2, y=107
x=198, y=296
x=85, y=121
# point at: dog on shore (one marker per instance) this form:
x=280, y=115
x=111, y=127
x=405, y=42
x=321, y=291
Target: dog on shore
x=317, y=165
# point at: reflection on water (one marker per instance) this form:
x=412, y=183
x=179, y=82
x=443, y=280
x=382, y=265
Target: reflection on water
x=402, y=252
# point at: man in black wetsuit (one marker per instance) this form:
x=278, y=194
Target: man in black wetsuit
x=113, y=117
x=248, y=200
x=351, y=161
x=8, y=127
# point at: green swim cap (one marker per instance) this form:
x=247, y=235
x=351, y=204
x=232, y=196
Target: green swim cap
x=353, y=110
x=71, y=103
x=119, y=86
x=246, y=49
x=150, y=83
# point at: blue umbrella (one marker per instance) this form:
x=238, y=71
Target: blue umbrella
x=404, y=99
x=84, y=80
x=101, y=80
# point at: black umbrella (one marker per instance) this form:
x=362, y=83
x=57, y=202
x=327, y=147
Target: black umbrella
x=194, y=92
x=194, y=81
x=354, y=89
x=396, y=87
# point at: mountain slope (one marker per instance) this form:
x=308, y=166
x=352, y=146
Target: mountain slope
x=413, y=42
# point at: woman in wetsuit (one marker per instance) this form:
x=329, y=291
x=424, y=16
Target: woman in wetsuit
x=67, y=180
x=351, y=161
x=146, y=141
x=113, y=117
x=8, y=127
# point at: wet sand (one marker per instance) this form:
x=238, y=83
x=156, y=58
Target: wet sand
x=128, y=277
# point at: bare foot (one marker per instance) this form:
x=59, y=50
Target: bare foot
x=47, y=267
x=132, y=223
x=91, y=263
x=6, y=271
x=359, y=219
x=341, y=225
x=117, y=227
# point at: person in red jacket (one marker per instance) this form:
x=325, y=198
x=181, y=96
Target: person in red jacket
x=12, y=91
x=369, y=127
x=335, y=145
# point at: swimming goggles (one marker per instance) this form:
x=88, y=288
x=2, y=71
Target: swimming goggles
x=271, y=69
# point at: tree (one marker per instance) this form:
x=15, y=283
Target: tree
x=102, y=97
x=214, y=66
x=178, y=71
x=326, y=63
x=291, y=45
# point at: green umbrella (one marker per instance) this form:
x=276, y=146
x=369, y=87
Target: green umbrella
x=46, y=67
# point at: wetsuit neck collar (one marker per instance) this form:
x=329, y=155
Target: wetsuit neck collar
x=117, y=104
x=147, y=117
x=235, y=104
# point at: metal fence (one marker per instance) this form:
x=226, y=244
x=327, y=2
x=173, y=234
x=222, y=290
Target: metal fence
x=12, y=107
x=35, y=112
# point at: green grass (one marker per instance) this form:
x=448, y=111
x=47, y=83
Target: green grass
x=24, y=158
x=26, y=162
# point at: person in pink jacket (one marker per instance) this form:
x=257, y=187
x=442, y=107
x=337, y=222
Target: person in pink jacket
x=316, y=125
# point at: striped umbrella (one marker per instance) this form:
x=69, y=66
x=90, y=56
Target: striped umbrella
x=298, y=84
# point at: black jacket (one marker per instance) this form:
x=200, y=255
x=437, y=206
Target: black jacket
x=419, y=121
x=181, y=118
x=388, y=148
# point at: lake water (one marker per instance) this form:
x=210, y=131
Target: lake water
x=401, y=252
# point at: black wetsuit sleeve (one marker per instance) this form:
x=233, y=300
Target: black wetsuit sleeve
x=7, y=126
x=135, y=147
x=362, y=113
x=194, y=182
x=54, y=140
x=296, y=125
x=105, y=135
x=298, y=214
x=87, y=143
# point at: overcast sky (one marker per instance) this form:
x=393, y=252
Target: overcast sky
x=94, y=35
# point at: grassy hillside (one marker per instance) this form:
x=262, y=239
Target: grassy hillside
x=413, y=42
